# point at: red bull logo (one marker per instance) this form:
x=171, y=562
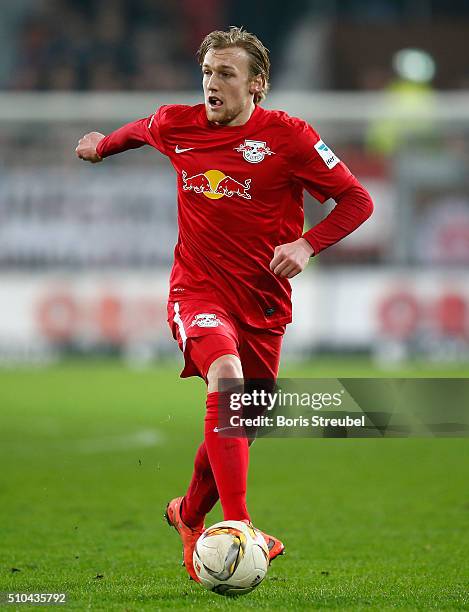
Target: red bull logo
x=199, y=182
x=215, y=184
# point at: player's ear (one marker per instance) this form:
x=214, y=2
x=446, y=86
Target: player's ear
x=256, y=84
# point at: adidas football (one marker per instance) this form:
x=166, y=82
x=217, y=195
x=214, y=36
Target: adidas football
x=231, y=558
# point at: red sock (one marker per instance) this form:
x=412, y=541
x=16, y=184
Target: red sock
x=202, y=493
x=229, y=459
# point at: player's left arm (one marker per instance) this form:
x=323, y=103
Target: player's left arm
x=324, y=176
x=291, y=258
x=353, y=207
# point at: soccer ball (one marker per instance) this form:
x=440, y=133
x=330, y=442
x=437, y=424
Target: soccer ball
x=231, y=558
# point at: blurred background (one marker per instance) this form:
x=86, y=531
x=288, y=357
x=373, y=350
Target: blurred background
x=85, y=251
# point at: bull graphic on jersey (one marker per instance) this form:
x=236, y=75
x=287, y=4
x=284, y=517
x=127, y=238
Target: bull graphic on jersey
x=199, y=182
x=206, y=320
x=215, y=184
x=229, y=186
x=254, y=151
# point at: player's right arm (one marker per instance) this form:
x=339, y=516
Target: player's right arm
x=94, y=147
x=87, y=145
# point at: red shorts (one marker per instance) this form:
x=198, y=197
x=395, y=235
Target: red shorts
x=205, y=331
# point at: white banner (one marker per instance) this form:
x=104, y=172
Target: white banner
x=90, y=216
x=335, y=309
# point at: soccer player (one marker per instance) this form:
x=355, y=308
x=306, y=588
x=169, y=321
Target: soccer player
x=241, y=171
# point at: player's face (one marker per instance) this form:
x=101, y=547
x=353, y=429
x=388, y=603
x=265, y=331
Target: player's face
x=228, y=89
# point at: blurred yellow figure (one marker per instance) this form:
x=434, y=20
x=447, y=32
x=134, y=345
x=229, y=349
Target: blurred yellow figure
x=408, y=104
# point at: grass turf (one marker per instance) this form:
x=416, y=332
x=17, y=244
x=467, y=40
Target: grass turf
x=91, y=453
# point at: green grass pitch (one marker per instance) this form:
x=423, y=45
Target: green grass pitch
x=91, y=453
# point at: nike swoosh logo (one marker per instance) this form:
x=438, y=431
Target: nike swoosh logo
x=217, y=429
x=178, y=150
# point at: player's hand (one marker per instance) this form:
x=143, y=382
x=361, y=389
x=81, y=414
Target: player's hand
x=86, y=148
x=291, y=258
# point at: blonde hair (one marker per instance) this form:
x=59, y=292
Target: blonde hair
x=259, y=62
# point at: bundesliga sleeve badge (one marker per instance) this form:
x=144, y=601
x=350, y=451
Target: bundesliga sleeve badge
x=327, y=155
x=254, y=151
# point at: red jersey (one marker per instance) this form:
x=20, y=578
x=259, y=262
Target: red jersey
x=240, y=194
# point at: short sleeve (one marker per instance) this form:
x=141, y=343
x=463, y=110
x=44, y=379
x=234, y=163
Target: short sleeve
x=315, y=165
